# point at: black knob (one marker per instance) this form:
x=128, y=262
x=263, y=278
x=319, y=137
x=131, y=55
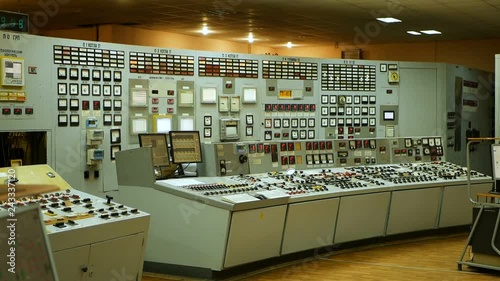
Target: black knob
x=109, y=198
x=84, y=269
x=243, y=158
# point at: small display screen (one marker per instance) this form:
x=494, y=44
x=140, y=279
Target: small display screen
x=185, y=147
x=159, y=145
x=389, y=116
x=14, y=21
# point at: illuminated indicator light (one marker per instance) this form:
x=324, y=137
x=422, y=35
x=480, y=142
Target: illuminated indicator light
x=85, y=105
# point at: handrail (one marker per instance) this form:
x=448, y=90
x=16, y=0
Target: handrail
x=469, y=188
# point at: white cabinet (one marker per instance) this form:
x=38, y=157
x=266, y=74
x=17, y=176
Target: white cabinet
x=72, y=264
x=115, y=259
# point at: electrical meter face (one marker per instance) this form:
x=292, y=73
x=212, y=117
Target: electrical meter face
x=249, y=119
x=431, y=142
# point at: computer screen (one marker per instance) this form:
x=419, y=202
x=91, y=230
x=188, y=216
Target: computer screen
x=159, y=145
x=185, y=147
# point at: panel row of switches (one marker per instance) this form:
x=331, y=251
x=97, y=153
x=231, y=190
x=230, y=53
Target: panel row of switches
x=17, y=111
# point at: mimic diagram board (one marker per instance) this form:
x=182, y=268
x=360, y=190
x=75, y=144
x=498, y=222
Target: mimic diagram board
x=124, y=90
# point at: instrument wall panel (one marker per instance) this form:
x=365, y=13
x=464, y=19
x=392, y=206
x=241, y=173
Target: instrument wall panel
x=208, y=109
x=42, y=94
x=39, y=94
x=262, y=162
x=250, y=109
x=418, y=102
x=224, y=159
x=356, y=88
x=212, y=109
x=71, y=146
x=497, y=95
x=70, y=156
x=477, y=87
x=290, y=102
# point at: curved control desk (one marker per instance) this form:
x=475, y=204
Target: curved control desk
x=210, y=224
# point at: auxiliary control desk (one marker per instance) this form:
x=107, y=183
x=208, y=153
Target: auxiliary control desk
x=91, y=238
x=222, y=222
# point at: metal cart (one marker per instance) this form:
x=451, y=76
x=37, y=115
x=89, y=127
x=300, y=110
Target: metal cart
x=481, y=207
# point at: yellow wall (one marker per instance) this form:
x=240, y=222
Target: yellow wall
x=478, y=54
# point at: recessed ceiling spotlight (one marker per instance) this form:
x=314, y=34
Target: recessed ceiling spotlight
x=389, y=20
x=289, y=44
x=205, y=30
x=250, y=38
x=414, y=32
x=430, y=32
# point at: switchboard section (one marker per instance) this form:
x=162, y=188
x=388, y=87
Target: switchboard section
x=94, y=99
x=327, y=199
x=78, y=224
x=242, y=158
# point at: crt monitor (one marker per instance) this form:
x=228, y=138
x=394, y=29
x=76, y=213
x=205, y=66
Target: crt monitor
x=185, y=148
x=159, y=145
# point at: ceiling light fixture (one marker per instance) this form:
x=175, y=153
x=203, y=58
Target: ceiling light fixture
x=289, y=44
x=430, y=32
x=389, y=20
x=205, y=30
x=250, y=38
x=414, y=32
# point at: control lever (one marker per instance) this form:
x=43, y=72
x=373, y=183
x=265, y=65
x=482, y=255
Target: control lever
x=108, y=198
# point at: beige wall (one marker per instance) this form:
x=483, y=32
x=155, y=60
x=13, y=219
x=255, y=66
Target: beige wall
x=145, y=37
x=80, y=34
x=478, y=54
